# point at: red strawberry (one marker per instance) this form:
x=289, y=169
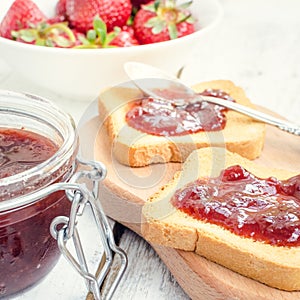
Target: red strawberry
x=113, y=12
x=125, y=38
x=161, y=21
x=60, y=8
x=56, y=19
x=128, y=28
x=21, y=14
x=138, y=3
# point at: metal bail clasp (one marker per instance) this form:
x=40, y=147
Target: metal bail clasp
x=81, y=196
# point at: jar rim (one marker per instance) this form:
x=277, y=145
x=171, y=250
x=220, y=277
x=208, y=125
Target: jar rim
x=27, y=104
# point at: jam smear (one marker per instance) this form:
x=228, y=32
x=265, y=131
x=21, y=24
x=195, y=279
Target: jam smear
x=266, y=210
x=166, y=118
x=27, y=250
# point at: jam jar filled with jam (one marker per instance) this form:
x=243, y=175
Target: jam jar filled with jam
x=38, y=148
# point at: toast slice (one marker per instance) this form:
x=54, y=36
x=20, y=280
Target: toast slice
x=276, y=266
x=241, y=134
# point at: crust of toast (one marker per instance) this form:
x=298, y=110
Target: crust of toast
x=276, y=266
x=241, y=134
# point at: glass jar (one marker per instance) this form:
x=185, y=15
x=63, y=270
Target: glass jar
x=41, y=206
x=27, y=249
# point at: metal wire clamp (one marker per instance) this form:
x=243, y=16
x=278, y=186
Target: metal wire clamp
x=81, y=196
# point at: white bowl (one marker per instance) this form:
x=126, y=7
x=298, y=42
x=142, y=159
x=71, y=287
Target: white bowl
x=83, y=73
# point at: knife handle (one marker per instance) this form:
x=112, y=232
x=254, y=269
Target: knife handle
x=255, y=114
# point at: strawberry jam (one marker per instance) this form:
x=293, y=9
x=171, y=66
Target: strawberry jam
x=266, y=210
x=21, y=150
x=166, y=118
x=27, y=250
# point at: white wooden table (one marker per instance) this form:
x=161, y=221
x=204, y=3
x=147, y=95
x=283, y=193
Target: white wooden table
x=257, y=46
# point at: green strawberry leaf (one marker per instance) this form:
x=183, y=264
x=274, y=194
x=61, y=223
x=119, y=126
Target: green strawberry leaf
x=62, y=42
x=185, y=5
x=44, y=25
x=150, y=7
x=14, y=34
x=91, y=35
x=100, y=28
x=29, y=24
x=156, y=5
x=27, y=35
x=158, y=28
x=190, y=20
x=110, y=37
x=152, y=22
x=83, y=40
x=157, y=25
x=184, y=18
x=40, y=42
x=49, y=43
x=172, y=31
x=169, y=3
x=130, y=20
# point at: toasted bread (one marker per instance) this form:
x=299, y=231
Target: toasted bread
x=276, y=266
x=132, y=147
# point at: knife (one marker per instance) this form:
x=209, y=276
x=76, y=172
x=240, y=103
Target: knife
x=152, y=80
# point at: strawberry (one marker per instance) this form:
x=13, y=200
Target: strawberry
x=138, y=3
x=128, y=28
x=161, y=21
x=125, y=38
x=21, y=14
x=60, y=8
x=113, y=12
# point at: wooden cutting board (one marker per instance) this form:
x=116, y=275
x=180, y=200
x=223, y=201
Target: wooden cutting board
x=125, y=189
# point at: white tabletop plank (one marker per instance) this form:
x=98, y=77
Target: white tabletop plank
x=146, y=276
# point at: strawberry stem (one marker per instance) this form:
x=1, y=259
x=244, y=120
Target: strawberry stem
x=61, y=27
